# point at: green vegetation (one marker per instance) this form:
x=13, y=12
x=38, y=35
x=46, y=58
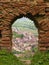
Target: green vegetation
x=40, y=58
x=16, y=52
x=7, y=58
x=27, y=55
x=17, y=35
x=34, y=49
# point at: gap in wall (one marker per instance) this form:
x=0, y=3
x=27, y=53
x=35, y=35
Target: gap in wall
x=25, y=38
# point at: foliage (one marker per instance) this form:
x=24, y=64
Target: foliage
x=34, y=49
x=16, y=52
x=16, y=35
x=40, y=58
x=27, y=55
x=7, y=58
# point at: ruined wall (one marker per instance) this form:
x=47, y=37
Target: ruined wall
x=11, y=9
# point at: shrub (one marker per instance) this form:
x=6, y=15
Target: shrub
x=40, y=58
x=7, y=58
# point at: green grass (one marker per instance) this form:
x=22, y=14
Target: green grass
x=7, y=58
x=40, y=58
x=27, y=55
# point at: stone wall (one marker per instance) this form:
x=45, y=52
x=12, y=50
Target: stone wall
x=10, y=10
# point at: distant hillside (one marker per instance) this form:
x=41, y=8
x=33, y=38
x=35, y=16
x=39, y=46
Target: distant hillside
x=25, y=24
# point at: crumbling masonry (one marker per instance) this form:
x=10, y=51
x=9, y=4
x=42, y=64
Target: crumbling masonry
x=37, y=10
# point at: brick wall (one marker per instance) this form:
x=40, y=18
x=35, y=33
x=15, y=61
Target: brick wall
x=12, y=9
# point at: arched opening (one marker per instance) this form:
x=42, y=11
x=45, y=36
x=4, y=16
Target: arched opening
x=25, y=36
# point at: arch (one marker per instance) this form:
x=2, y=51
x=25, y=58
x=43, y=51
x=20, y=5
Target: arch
x=36, y=10
x=28, y=15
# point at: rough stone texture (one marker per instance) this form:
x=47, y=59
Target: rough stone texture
x=37, y=10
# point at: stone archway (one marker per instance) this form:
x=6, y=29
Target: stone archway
x=11, y=10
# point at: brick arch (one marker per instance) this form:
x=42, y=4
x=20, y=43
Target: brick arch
x=11, y=10
x=28, y=15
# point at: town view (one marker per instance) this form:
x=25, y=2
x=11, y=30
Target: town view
x=25, y=39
